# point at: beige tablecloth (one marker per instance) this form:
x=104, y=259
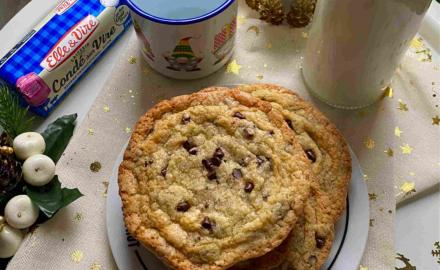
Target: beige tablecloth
x=396, y=141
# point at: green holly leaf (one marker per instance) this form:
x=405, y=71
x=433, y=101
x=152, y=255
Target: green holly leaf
x=51, y=197
x=57, y=136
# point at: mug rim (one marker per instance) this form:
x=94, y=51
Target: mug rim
x=197, y=19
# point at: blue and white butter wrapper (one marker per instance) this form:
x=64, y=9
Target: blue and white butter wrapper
x=45, y=64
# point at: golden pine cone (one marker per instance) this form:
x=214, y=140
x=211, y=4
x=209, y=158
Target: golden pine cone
x=271, y=11
x=301, y=12
x=253, y=4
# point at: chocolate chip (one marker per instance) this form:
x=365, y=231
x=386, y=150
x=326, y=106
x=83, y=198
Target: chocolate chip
x=208, y=165
x=208, y=223
x=311, y=155
x=236, y=173
x=183, y=206
x=320, y=241
x=148, y=163
x=312, y=259
x=219, y=153
x=271, y=132
x=260, y=160
x=248, y=187
x=212, y=175
x=216, y=161
x=239, y=115
x=164, y=171
x=265, y=197
x=192, y=149
x=289, y=123
x=186, y=118
x=248, y=133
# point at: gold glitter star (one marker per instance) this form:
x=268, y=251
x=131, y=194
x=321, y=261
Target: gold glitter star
x=95, y=266
x=372, y=196
x=95, y=166
x=269, y=45
x=402, y=106
x=305, y=35
x=408, y=187
x=397, y=131
x=363, y=267
x=106, y=108
x=260, y=77
x=416, y=44
x=406, y=149
x=371, y=222
x=369, y=143
x=90, y=131
x=76, y=256
x=78, y=217
x=132, y=59
x=127, y=130
x=389, y=152
x=436, y=120
x=104, y=193
x=241, y=19
x=233, y=67
x=388, y=92
x=254, y=28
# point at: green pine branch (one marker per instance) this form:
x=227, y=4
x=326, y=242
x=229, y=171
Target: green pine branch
x=13, y=118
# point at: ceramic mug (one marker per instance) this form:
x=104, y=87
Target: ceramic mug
x=185, y=39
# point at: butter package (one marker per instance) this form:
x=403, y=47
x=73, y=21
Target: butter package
x=45, y=64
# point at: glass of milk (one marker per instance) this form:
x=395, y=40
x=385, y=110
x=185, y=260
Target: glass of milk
x=185, y=39
x=355, y=46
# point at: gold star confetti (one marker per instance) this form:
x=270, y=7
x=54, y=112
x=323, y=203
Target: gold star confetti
x=363, y=267
x=76, y=256
x=95, y=166
x=397, y=132
x=269, y=45
x=95, y=266
x=233, y=67
x=254, y=28
x=260, y=77
x=388, y=92
x=369, y=143
x=371, y=222
x=132, y=59
x=436, y=120
x=372, y=196
x=389, y=152
x=406, y=149
x=106, y=108
x=402, y=106
x=90, y=131
x=127, y=130
x=78, y=217
x=416, y=44
x=305, y=35
x=406, y=262
x=408, y=187
x=104, y=193
x=241, y=19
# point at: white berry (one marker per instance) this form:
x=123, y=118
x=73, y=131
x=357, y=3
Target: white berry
x=21, y=212
x=10, y=239
x=38, y=170
x=28, y=144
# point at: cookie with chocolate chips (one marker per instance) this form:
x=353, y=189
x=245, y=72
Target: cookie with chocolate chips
x=310, y=242
x=212, y=179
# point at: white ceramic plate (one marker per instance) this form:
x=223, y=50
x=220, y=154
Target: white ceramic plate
x=346, y=253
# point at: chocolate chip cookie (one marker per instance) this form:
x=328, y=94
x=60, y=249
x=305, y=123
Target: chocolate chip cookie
x=310, y=242
x=212, y=179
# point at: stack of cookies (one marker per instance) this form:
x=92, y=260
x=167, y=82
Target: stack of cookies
x=246, y=178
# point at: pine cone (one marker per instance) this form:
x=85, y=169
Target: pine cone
x=253, y=4
x=271, y=11
x=10, y=169
x=301, y=12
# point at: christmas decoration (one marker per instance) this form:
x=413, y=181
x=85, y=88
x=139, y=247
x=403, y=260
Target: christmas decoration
x=183, y=58
x=298, y=13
